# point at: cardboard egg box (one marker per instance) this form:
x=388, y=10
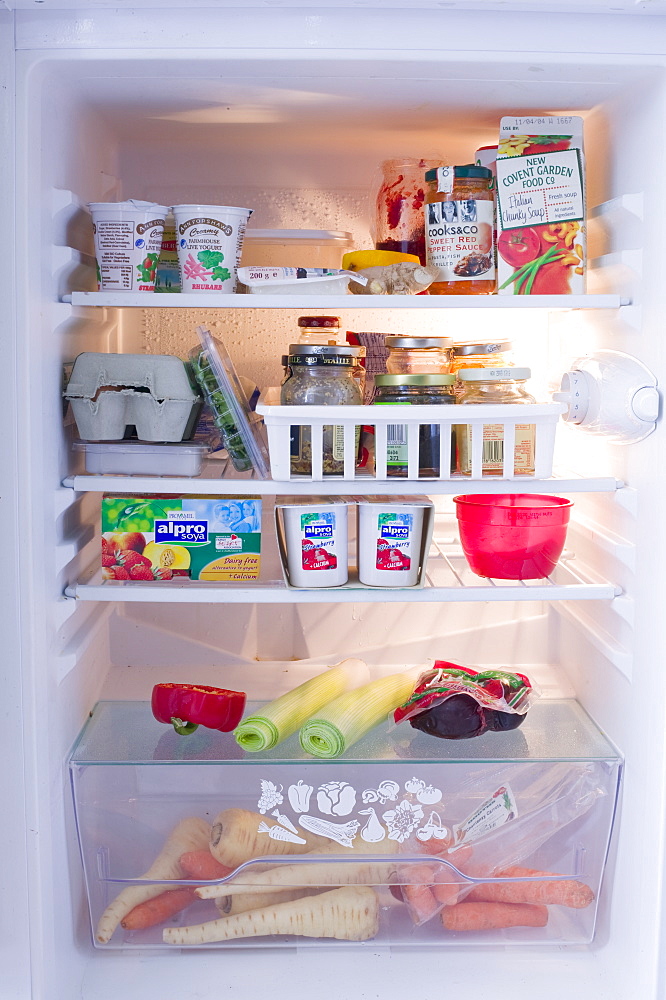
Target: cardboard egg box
x=110, y=392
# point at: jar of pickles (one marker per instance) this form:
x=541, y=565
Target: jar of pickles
x=418, y=355
x=459, y=223
x=496, y=385
x=320, y=376
x=423, y=390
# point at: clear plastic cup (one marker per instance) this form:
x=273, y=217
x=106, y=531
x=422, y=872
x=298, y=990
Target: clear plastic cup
x=209, y=241
x=128, y=243
x=512, y=536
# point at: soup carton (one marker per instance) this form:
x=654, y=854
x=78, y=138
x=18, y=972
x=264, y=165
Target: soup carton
x=541, y=206
x=155, y=537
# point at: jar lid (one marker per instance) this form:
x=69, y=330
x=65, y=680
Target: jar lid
x=467, y=170
x=321, y=361
x=426, y=342
x=489, y=347
x=381, y=380
x=343, y=350
x=324, y=321
x=494, y=374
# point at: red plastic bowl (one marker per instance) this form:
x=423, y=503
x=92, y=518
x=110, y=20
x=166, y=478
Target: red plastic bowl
x=512, y=536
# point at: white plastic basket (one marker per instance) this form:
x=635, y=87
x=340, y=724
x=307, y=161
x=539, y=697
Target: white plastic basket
x=280, y=419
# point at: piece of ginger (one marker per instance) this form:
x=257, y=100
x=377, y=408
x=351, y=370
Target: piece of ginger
x=405, y=278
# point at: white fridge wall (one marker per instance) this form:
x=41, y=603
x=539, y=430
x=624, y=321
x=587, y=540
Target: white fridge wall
x=90, y=87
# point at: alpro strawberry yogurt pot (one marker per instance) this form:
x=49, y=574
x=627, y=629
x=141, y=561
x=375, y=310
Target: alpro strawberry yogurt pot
x=313, y=541
x=153, y=537
x=209, y=241
x=393, y=538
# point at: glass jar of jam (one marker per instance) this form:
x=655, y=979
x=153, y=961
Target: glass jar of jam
x=414, y=390
x=418, y=355
x=490, y=354
x=459, y=219
x=399, y=208
x=495, y=385
x=319, y=329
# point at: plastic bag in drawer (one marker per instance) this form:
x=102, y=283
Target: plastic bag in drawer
x=457, y=703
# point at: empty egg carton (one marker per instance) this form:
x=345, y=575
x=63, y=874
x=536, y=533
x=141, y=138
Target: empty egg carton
x=152, y=392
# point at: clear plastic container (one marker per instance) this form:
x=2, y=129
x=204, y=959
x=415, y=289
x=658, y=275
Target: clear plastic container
x=239, y=427
x=512, y=536
x=295, y=248
x=418, y=355
x=134, y=458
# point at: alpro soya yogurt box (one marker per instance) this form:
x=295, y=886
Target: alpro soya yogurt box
x=153, y=537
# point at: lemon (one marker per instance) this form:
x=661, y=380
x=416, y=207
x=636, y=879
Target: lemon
x=358, y=260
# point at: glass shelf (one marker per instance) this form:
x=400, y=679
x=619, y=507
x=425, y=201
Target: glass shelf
x=125, y=732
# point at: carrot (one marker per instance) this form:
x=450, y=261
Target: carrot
x=448, y=885
x=419, y=896
x=349, y=914
x=190, y=834
x=202, y=865
x=288, y=876
x=157, y=910
x=568, y=892
x=491, y=916
x=235, y=838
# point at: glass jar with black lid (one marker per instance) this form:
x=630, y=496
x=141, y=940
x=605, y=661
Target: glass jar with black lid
x=320, y=376
x=414, y=390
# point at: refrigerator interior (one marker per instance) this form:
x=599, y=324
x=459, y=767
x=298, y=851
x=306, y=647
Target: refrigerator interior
x=297, y=133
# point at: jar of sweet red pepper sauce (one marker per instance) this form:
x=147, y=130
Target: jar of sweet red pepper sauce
x=459, y=211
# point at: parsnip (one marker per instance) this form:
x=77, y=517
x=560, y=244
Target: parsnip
x=190, y=834
x=349, y=914
x=231, y=905
x=316, y=873
x=235, y=838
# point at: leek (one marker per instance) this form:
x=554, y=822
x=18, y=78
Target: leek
x=282, y=717
x=352, y=715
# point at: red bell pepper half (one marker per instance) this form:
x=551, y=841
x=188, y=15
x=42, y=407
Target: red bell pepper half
x=188, y=706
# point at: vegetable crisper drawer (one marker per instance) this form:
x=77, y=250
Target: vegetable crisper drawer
x=406, y=839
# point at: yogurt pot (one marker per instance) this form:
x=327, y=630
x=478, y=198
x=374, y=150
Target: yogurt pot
x=128, y=243
x=315, y=536
x=209, y=240
x=390, y=542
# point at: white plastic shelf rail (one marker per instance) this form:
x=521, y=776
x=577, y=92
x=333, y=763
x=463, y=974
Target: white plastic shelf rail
x=219, y=478
x=212, y=300
x=448, y=578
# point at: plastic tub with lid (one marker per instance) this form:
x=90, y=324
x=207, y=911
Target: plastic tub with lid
x=139, y=459
x=295, y=248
